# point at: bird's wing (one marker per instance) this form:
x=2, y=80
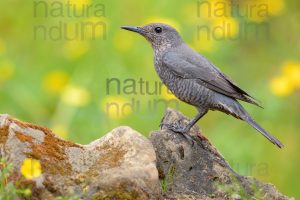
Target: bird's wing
x=205, y=74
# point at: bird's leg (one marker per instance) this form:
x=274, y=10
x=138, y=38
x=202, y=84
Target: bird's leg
x=175, y=127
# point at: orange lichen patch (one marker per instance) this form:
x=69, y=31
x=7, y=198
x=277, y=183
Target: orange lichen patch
x=51, y=153
x=48, y=133
x=123, y=190
x=114, y=158
x=3, y=134
x=28, y=125
x=52, y=156
x=106, y=161
x=23, y=137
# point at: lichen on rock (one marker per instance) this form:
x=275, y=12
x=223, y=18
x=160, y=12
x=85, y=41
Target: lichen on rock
x=119, y=165
x=198, y=170
x=123, y=164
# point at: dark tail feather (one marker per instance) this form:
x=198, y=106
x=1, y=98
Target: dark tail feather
x=263, y=132
x=234, y=108
x=253, y=101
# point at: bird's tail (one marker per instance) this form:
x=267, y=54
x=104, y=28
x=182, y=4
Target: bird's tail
x=246, y=117
x=235, y=109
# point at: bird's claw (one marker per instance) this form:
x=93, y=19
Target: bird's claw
x=175, y=127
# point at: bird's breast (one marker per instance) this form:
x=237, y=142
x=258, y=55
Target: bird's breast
x=187, y=90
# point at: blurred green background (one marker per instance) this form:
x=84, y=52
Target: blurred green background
x=54, y=71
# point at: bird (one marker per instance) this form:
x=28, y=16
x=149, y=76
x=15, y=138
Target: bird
x=195, y=80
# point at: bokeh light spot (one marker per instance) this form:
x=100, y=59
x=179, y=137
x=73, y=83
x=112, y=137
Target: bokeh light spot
x=7, y=70
x=225, y=27
x=79, y=4
x=167, y=94
x=55, y=81
x=281, y=86
x=116, y=107
x=76, y=96
x=2, y=46
x=292, y=71
x=122, y=44
x=75, y=49
x=60, y=130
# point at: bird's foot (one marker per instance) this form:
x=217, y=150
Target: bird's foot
x=177, y=128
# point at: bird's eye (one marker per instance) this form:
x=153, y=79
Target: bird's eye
x=158, y=29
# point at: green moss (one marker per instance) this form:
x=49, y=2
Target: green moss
x=10, y=189
x=123, y=191
x=168, y=179
x=235, y=186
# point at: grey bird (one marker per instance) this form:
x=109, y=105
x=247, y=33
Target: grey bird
x=194, y=79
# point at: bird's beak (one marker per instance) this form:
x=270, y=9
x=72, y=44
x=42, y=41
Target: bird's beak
x=136, y=29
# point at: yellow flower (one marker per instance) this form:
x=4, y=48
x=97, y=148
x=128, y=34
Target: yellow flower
x=122, y=44
x=7, y=70
x=292, y=71
x=76, y=96
x=116, y=107
x=75, y=49
x=31, y=168
x=2, y=46
x=281, y=86
x=60, y=130
x=55, y=81
x=168, y=21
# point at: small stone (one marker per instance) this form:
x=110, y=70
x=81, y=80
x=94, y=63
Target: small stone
x=236, y=197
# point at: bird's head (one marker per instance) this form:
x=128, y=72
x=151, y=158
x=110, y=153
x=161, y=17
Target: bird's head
x=158, y=34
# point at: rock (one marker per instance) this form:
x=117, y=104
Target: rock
x=198, y=171
x=120, y=165
x=236, y=197
x=125, y=165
